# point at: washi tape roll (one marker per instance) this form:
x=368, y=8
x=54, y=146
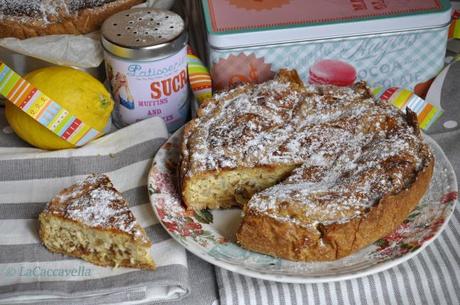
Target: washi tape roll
x=44, y=110
x=427, y=113
x=454, y=29
x=199, y=77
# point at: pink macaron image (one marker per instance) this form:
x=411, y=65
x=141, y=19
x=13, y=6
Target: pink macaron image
x=332, y=72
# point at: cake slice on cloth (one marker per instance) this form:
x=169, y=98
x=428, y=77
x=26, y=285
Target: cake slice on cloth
x=92, y=221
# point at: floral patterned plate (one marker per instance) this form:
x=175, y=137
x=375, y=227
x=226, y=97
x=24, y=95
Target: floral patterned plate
x=210, y=234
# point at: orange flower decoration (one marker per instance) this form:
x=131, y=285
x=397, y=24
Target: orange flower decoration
x=227, y=73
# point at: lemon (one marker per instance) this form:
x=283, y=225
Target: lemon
x=77, y=91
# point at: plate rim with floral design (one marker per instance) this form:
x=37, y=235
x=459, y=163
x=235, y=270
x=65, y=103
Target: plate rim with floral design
x=195, y=231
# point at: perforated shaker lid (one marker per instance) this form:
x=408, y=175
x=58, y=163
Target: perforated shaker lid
x=143, y=33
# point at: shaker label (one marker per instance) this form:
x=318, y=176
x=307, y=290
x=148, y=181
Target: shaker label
x=143, y=89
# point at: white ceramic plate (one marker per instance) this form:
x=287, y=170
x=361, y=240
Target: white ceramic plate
x=210, y=234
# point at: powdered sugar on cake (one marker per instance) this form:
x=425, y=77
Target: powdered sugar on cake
x=350, y=149
x=101, y=207
x=95, y=203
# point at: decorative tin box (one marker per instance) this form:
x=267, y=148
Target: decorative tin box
x=385, y=42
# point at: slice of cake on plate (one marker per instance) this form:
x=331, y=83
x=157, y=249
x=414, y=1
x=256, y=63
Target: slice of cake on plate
x=92, y=221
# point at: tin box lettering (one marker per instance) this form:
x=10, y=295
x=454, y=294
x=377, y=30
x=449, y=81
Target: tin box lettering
x=385, y=42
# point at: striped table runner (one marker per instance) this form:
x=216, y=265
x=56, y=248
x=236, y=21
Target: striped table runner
x=30, y=177
x=430, y=278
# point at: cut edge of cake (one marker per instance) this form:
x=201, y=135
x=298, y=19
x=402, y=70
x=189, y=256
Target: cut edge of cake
x=229, y=188
x=90, y=220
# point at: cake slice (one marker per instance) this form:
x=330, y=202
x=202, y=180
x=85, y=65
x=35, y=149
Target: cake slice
x=92, y=221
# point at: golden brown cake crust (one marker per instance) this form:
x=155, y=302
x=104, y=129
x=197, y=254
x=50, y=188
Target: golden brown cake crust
x=61, y=20
x=264, y=234
x=316, y=164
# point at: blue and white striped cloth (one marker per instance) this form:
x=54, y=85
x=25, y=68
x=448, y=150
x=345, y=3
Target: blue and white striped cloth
x=30, y=177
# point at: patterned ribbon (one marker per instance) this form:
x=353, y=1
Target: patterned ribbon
x=199, y=77
x=44, y=110
x=427, y=113
x=454, y=29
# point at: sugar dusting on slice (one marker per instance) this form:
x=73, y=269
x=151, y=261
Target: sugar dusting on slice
x=95, y=203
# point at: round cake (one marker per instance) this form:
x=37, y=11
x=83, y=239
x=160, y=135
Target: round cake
x=30, y=18
x=320, y=171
